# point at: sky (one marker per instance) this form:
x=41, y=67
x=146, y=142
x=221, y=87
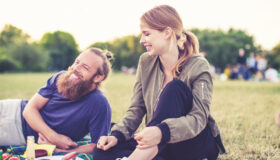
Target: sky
x=92, y=21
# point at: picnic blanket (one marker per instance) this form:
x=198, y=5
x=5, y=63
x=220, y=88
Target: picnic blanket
x=19, y=150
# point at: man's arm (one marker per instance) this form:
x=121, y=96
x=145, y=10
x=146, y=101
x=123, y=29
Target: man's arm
x=33, y=117
x=87, y=148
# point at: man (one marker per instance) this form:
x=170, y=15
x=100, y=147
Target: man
x=67, y=108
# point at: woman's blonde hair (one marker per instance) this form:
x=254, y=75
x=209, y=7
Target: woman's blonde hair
x=163, y=16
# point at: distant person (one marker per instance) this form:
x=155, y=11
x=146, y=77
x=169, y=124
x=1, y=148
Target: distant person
x=251, y=64
x=234, y=73
x=246, y=73
x=241, y=62
x=66, y=109
x=173, y=91
x=271, y=75
x=261, y=66
x=203, y=53
x=227, y=71
x=212, y=67
x=212, y=70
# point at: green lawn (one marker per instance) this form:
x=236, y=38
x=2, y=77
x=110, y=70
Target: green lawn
x=244, y=111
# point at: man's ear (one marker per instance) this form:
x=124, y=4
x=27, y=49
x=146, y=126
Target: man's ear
x=98, y=78
x=168, y=32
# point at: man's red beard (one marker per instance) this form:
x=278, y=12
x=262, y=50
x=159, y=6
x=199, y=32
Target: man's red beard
x=71, y=89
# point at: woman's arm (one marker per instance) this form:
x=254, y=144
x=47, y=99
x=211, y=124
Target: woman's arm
x=135, y=113
x=189, y=126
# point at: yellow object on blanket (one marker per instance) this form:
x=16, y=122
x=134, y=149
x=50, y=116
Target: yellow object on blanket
x=48, y=147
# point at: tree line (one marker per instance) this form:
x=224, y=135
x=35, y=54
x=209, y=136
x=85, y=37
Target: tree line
x=57, y=50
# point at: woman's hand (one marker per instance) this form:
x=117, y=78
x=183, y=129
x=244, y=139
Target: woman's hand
x=148, y=137
x=106, y=142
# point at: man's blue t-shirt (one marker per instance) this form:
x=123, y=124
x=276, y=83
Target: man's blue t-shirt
x=90, y=114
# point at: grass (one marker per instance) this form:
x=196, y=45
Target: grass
x=244, y=111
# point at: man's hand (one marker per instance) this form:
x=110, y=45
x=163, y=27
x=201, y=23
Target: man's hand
x=148, y=137
x=106, y=142
x=61, y=141
x=31, y=114
x=42, y=139
x=87, y=148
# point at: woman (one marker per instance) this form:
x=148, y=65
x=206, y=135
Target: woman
x=173, y=89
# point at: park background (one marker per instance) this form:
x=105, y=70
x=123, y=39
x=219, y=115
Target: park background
x=39, y=38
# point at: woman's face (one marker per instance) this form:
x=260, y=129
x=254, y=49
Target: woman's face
x=153, y=40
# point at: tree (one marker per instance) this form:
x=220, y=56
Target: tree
x=127, y=50
x=7, y=65
x=27, y=57
x=274, y=57
x=62, y=49
x=17, y=54
x=222, y=47
x=12, y=35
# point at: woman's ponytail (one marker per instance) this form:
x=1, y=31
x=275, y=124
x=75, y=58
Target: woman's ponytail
x=187, y=44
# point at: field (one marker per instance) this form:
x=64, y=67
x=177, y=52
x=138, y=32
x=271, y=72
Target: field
x=244, y=111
